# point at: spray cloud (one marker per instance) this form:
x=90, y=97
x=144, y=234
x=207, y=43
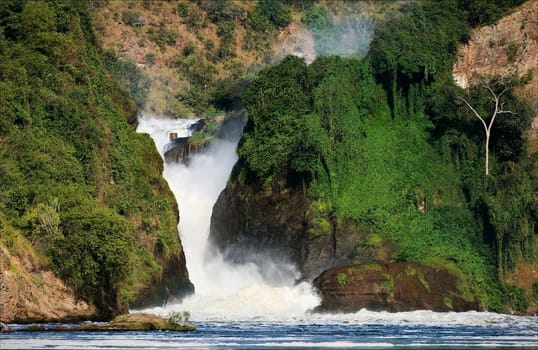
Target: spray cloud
x=326, y=31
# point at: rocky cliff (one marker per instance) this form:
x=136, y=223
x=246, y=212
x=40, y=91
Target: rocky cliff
x=347, y=267
x=29, y=292
x=281, y=223
x=508, y=46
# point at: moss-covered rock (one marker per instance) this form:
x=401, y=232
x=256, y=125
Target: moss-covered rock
x=393, y=287
x=129, y=322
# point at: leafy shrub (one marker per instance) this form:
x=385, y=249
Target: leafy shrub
x=275, y=11
x=133, y=18
x=162, y=37
x=182, y=10
x=535, y=290
x=317, y=19
x=515, y=297
x=179, y=318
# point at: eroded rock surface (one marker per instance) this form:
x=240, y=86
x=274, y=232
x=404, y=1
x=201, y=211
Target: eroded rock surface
x=28, y=293
x=392, y=287
x=279, y=223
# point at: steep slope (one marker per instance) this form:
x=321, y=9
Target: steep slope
x=510, y=45
x=374, y=161
x=88, y=225
x=506, y=47
x=31, y=293
x=184, y=47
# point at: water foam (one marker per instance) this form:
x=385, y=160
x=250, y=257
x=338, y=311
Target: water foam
x=223, y=291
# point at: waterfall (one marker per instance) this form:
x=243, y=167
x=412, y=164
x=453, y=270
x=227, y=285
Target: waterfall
x=222, y=291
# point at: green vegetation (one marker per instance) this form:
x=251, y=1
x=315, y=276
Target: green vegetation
x=75, y=179
x=385, y=141
x=484, y=12
x=382, y=141
x=179, y=318
x=341, y=278
x=130, y=79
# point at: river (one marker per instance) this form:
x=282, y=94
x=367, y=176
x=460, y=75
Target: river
x=249, y=307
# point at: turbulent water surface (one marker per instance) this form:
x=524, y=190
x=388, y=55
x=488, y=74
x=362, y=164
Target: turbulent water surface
x=240, y=307
x=413, y=330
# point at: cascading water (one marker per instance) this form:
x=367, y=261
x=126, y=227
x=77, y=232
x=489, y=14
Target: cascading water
x=223, y=291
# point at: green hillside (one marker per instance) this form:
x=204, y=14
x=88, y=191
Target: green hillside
x=386, y=142
x=383, y=144
x=76, y=181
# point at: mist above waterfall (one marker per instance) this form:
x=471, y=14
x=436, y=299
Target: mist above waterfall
x=327, y=32
x=222, y=290
x=350, y=35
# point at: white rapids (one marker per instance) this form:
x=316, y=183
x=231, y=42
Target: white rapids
x=222, y=291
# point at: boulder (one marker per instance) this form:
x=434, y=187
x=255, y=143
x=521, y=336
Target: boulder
x=393, y=287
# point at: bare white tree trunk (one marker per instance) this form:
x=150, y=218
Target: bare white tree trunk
x=487, y=127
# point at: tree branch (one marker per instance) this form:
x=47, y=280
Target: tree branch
x=510, y=112
x=475, y=112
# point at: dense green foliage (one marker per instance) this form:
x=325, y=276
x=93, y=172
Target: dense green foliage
x=486, y=12
x=275, y=11
x=412, y=48
x=204, y=66
x=385, y=142
x=75, y=179
x=128, y=76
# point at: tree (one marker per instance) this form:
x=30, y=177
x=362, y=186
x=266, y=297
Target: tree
x=499, y=109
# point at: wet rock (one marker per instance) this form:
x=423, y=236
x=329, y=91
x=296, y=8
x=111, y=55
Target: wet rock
x=279, y=223
x=393, y=287
x=181, y=150
x=147, y=322
x=130, y=322
x=172, y=285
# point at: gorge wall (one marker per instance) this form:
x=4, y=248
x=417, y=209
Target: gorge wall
x=326, y=178
x=88, y=226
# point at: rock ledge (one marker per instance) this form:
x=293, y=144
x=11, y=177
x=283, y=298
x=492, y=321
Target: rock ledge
x=392, y=287
x=130, y=322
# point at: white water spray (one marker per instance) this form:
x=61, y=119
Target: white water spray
x=222, y=291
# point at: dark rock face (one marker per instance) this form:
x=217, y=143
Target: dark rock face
x=392, y=287
x=249, y=225
x=181, y=150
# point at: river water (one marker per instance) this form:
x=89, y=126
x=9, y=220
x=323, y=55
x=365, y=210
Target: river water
x=363, y=330
x=253, y=307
